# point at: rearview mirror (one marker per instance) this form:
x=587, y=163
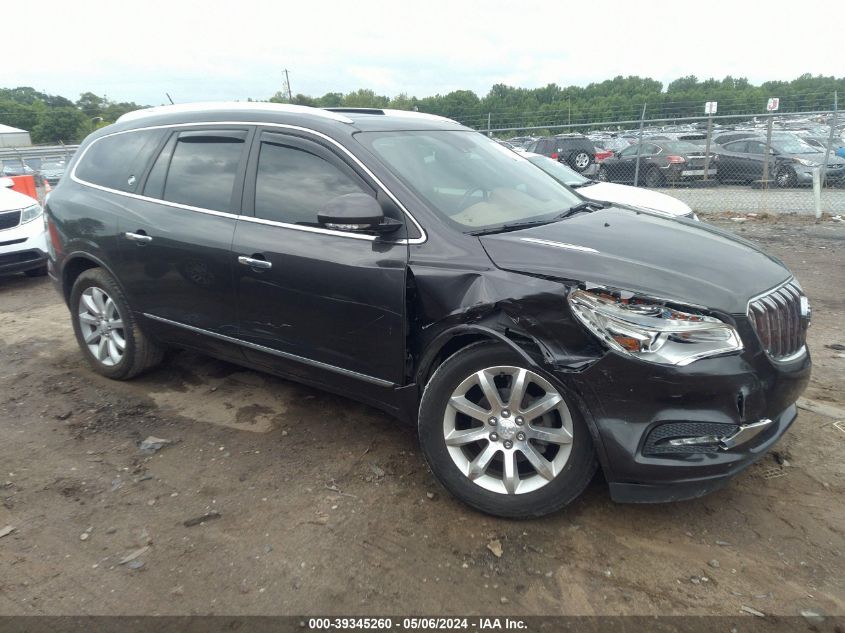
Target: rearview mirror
x=356, y=212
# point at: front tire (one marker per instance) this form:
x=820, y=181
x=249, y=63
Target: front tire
x=653, y=178
x=785, y=177
x=106, y=330
x=501, y=437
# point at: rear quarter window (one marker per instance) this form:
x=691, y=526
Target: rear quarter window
x=118, y=161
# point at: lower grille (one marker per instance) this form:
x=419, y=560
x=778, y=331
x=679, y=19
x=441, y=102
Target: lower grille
x=778, y=321
x=657, y=442
x=10, y=220
x=19, y=258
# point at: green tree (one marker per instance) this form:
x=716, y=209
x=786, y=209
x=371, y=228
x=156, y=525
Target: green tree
x=58, y=125
x=91, y=105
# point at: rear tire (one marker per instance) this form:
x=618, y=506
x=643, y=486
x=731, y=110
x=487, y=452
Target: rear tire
x=602, y=175
x=106, y=329
x=653, y=178
x=579, y=161
x=542, y=455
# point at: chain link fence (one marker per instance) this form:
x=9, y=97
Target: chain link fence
x=767, y=163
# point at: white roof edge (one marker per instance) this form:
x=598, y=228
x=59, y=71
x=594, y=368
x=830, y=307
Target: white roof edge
x=243, y=106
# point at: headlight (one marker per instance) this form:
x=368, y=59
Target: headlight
x=30, y=213
x=806, y=162
x=650, y=330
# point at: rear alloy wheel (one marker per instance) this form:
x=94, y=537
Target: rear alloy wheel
x=501, y=437
x=106, y=330
x=785, y=177
x=579, y=161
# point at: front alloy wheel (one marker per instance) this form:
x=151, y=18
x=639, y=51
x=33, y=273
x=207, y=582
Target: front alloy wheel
x=501, y=436
x=508, y=430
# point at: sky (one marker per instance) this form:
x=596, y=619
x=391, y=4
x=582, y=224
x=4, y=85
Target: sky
x=211, y=50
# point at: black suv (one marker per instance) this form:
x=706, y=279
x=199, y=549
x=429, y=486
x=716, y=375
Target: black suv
x=575, y=150
x=529, y=334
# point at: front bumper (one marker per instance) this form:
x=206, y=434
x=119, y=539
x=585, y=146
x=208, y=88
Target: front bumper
x=23, y=247
x=627, y=401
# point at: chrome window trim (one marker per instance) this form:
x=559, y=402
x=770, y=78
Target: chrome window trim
x=285, y=126
x=269, y=350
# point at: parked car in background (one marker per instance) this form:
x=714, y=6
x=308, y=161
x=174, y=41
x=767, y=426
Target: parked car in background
x=611, y=192
x=521, y=141
x=661, y=163
x=52, y=170
x=16, y=167
x=23, y=243
x=528, y=336
x=837, y=147
x=575, y=150
x=791, y=161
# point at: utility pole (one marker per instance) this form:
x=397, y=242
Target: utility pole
x=287, y=85
x=829, y=147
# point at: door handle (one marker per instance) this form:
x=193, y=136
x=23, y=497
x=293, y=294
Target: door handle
x=140, y=237
x=254, y=263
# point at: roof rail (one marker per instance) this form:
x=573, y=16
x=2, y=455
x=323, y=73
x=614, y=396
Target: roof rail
x=242, y=106
x=391, y=112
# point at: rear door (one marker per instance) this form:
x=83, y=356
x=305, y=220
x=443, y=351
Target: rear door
x=329, y=299
x=176, y=237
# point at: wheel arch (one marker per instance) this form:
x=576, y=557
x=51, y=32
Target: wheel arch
x=77, y=263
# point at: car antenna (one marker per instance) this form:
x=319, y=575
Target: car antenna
x=168, y=98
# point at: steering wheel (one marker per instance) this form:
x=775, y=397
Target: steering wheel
x=465, y=199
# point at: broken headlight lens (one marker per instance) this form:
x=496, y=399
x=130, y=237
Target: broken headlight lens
x=650, y=330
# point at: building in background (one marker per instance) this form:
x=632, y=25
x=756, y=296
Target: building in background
x=13, y=137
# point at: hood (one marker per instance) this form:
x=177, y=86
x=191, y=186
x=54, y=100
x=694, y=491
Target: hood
x=636, y=196
x=11, y=200
x=818, y=158
x=679, y=260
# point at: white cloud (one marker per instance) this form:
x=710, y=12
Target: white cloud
x=217, y=50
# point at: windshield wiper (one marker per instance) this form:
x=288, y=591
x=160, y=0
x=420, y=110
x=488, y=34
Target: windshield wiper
x=587, y=205
x=513, y=226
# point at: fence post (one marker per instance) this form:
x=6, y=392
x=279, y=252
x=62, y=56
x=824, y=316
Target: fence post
x=817, y=192
x=639, y=148
x=707, y=144
x=829, y=139
x=768, y=151
x=488, y=124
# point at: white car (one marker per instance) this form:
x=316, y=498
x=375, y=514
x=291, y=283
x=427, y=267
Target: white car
x=23, y=238
x=611, y=192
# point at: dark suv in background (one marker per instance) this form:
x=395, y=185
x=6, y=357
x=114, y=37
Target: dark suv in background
x=530, y=335
x=575, y=150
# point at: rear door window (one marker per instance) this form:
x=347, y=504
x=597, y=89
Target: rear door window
x=202, y=169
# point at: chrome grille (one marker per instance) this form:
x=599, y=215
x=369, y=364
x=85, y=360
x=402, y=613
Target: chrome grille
x=10, y=220
x=777, y=319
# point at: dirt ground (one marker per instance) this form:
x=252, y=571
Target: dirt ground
x=326, y=506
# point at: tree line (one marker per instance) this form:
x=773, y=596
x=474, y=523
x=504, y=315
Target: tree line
x=52, y=118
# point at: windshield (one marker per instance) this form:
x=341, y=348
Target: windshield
x=470, y=180
x=793, y=146
x=559, y=171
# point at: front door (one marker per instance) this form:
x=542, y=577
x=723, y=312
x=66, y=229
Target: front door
x=335, y=300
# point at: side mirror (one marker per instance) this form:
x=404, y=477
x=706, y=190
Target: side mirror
x=356, y=212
